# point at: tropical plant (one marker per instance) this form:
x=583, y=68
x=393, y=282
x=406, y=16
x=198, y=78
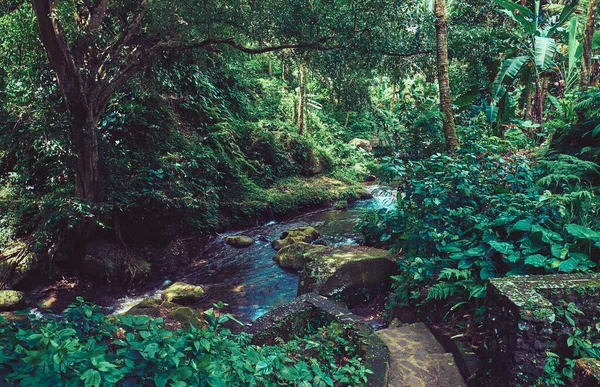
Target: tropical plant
x=533, y=53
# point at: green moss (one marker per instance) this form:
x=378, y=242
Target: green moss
x=188, y=317
x=239, y=241
x=182, y=293
x=11, y=300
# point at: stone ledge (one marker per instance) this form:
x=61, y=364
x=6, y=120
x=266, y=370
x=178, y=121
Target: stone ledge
x=521, y=322
x=292, y=319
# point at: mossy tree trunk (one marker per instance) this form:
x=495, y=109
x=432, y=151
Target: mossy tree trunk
x=441, y=33
x=586, y=54
x=302, y=100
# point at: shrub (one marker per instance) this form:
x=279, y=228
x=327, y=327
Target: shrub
x=463, y=219
x=86, y=346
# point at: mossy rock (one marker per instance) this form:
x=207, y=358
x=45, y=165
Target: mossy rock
x=187, y=317
x=349, y=273
x=182, y=293
x=11, y=300
x=292, y=256
x=239, y=241
x=153, y=307
x=362, y=144
x=21, y=267
x=299, y=234
x=12, y=317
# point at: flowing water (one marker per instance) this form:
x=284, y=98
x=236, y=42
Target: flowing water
x=248, y=279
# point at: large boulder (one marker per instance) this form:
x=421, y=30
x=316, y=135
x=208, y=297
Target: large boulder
x=108, y=261
x=182, y=293
x=18, y=265
x=299, y=234
x=292, y=256
x=187, y=317
x=349, y=273
x=11, y=300
x=155, y=307
x=239, y=241
x=362, y=144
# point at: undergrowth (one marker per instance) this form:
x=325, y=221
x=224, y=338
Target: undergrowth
x=86, y=347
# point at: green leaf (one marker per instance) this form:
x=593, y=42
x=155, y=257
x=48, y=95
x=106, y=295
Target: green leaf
x=510, y=68
x=261, y=365
x=181, y=373
x=544, y=52
x=514, y=257
x=548, y=236
x=523, y=225
x=582, y=232
x=502, y=247
x=289, y=373
x=569, y=265
x=568, y=11
x=160, y=379
x=465, y=264
x=556, y=250
x=204, y=363
x=518, y=11
x=91, y=377
x=573, y=45
x=536, y=260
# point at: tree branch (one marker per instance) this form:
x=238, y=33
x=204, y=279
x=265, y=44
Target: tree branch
x=207, y=43
x=97, y=12
x=405, y=54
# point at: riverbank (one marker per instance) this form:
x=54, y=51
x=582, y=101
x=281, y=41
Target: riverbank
x=247, y=279
x=291, y=197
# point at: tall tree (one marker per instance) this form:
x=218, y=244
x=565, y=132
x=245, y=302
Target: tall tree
x=441, y=35
x=96, y=46
x=302, y=101
x=588, y=37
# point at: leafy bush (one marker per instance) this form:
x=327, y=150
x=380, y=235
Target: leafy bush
x=87, y=347
x=463, y=219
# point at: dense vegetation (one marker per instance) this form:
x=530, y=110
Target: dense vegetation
x=145, y=121
x=85, y=346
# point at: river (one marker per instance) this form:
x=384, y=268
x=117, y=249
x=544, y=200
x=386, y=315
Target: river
x=248, y=279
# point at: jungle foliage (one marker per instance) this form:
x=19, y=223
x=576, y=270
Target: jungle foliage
x=146, y=121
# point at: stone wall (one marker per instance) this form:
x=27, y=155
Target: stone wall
x=522, y=323
x=294, y=317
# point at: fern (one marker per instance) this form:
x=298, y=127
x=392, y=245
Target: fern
x=448, y=273
x=443, y=290
x=565, y=169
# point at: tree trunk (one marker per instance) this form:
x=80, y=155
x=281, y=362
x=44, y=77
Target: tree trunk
x=541, y=89
x=85, y=144
x=347, y=120
x=441, y=34
x=393, y=98
x=83, y=115
x=586, y=54
x=528, y=108
x=270, y=67
x=302, y=101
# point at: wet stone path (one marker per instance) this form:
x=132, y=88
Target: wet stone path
x=417, y=359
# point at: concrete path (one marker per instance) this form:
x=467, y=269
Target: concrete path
x=417, y=359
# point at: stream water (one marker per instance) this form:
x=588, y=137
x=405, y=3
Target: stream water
x=248, y=280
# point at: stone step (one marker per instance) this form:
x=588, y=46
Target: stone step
x=418, y=359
